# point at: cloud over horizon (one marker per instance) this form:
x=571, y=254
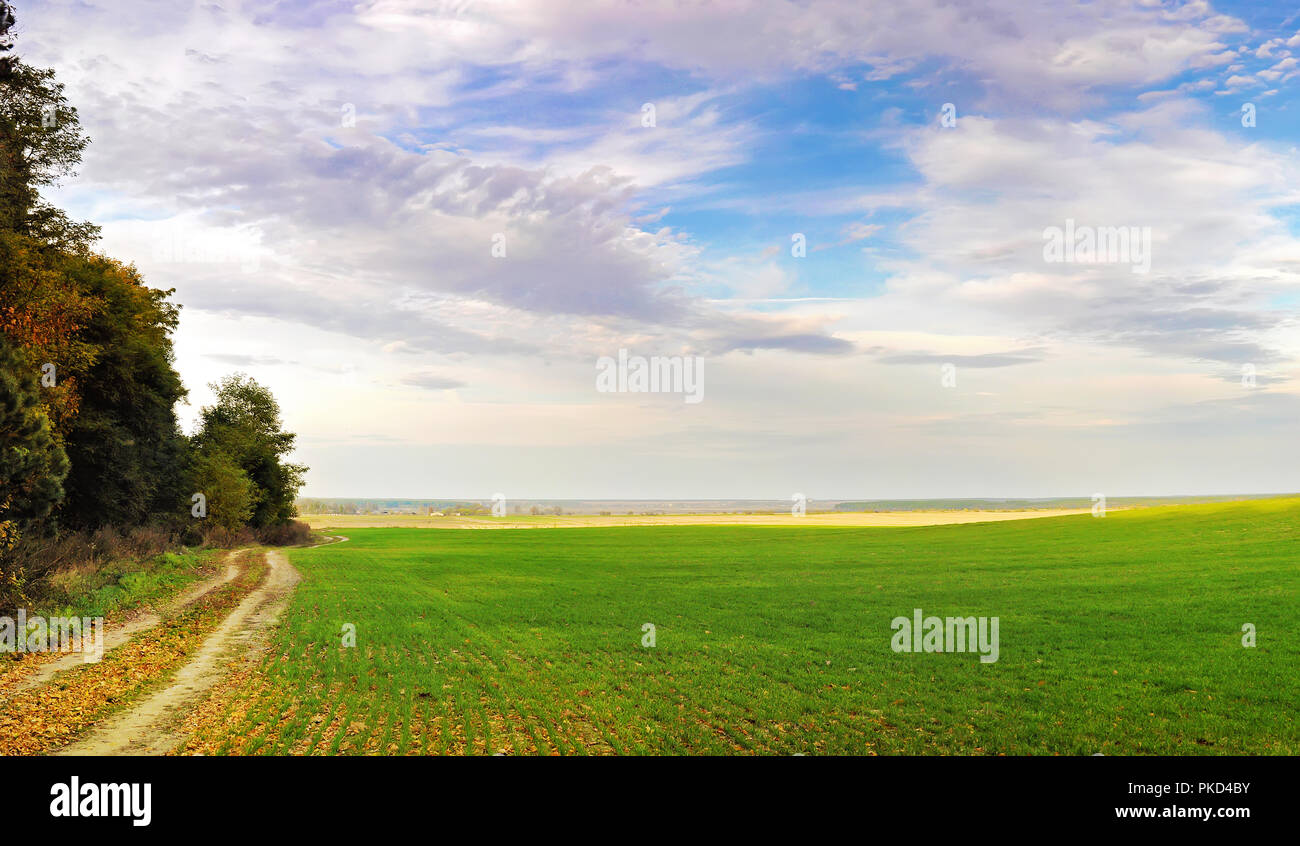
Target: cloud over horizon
x=422, y=224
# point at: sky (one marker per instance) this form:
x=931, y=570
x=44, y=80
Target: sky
x=424, y=224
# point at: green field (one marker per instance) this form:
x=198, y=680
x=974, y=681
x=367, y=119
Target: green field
x=1120, y=635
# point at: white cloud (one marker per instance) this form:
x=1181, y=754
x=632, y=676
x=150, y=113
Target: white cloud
x=379, y=314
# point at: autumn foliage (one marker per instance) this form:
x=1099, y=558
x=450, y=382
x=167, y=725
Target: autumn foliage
x=89, y=437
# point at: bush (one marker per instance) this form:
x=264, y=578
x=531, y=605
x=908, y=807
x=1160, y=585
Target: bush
x=51, y=568
x=293, y=533
x=226, y=538
x=121, y=583
x=147, y=541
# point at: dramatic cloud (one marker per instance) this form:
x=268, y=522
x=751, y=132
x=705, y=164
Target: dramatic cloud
x=423, y=223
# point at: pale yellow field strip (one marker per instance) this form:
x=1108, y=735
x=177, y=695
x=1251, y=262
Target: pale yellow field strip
x=871, y=518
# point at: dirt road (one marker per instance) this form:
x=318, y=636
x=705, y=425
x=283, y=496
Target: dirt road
x=118, y=635
x=146, y=728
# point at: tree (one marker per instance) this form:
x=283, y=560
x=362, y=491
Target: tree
x=228, y=492
x=102, y=331
x=32, y=464
x=40, y=142
x=245, y=424
x=125, y=444
x=42, y=312
x=6, y=21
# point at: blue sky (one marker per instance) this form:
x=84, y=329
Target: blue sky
x=349, y=264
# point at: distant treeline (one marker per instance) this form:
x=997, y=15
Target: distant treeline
x=423, y=507
x=1031, y=504
x=307, y=505
x=89, y=439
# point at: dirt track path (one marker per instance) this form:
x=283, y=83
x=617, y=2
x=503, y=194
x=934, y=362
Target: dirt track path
x=118, y=635
x=145, y=729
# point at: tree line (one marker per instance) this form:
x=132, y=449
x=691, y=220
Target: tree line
x=89, y=436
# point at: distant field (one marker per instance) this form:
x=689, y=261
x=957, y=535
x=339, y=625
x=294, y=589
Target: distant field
x=1120, y=635
x=343, y=522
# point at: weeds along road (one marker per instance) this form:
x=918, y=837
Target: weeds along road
x=118, y=635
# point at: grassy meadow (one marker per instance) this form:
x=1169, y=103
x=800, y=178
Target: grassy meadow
x=1120, y=635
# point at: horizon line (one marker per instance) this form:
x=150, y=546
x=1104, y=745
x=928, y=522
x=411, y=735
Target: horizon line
x=1255, y=494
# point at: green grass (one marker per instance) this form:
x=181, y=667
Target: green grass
x=124, y=584
x=1120, y=635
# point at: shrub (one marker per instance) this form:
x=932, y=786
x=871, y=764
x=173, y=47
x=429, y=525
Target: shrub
x=54, y=568
x=293, y=533
x=223, y=537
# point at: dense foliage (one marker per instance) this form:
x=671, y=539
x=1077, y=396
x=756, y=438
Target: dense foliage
x=89, y=438
x=245, y=425
x=32, y=464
